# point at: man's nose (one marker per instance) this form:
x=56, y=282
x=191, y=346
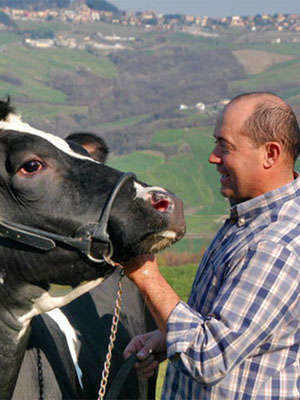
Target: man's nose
x=214, y=158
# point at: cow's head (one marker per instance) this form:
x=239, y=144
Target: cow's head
x=51, y=186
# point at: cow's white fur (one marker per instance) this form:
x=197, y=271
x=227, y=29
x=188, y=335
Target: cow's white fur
x=15, y=123
x=142, y=192
x=64, y=324
x=168, y=234
x=47, y=302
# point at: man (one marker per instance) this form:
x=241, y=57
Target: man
x=238, y=336
x=60, y=363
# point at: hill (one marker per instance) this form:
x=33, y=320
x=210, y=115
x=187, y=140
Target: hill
x=154, y=100
x=49, y=4
x=36, y=4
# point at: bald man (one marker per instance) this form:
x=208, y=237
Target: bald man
x=238, y=336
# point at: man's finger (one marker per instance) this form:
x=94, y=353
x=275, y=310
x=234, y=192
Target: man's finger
x=134, y=346
x=145, y=352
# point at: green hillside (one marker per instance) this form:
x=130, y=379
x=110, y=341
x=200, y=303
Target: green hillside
x=132, y=97
x=185, y=173
x=23, y=78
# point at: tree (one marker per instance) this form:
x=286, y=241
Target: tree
x=102, y=5
x=35, y=4
x=5, y=20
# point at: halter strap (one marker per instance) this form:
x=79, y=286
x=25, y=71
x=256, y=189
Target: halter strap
x=46, y=241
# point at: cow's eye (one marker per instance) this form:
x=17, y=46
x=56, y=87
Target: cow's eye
x=31, y=167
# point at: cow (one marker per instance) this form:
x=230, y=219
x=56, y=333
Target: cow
x=65, y=219
x=67, y=363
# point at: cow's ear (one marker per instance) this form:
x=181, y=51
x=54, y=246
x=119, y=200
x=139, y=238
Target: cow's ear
x=5, y=109
x=93, y=144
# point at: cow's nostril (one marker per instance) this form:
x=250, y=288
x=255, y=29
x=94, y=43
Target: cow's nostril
x=160, y=202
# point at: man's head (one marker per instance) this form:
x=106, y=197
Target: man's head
x=257, y=143
x=93, y=144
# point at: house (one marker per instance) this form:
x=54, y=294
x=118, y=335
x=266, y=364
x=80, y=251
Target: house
x=189, y=19
x=40, y=43
x=237, y=21
x=183, y=107
x=200, y=106
x=224, y=102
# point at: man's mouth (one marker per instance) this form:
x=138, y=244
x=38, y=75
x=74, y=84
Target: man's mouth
x=224, y=179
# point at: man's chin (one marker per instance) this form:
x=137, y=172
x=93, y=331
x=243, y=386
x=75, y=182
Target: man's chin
x=225, y=192
x=232, y=197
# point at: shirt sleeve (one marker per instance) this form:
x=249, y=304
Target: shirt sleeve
x=258, y=293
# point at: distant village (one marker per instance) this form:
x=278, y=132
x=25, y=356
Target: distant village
x=147, y=20
x=153, y=21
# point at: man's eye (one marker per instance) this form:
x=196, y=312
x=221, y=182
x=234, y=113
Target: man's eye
x=224, y=146
x=31, y=167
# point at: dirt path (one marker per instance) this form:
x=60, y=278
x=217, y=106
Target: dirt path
x=256, y=61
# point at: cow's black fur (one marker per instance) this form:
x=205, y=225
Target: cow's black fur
x=6, y=109
x=62, y=195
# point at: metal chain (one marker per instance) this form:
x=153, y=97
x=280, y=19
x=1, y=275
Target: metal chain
x=112, y=338
x=40, y=374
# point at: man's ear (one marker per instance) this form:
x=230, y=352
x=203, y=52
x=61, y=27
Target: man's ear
x=272, y=154
x=91, y=148
x=94, y=145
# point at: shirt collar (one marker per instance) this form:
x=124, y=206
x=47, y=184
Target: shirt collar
x=266, y=202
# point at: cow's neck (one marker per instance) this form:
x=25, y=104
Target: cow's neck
x=14, y=335
x=19, y=303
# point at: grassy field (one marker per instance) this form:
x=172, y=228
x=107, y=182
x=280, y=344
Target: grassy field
x=186, y=173
x=30, y=70
x=282, y=73
x=181, y=279
x=279, y=48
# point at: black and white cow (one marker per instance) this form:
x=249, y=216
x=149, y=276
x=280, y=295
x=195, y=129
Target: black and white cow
x=52, y=198
x=67, y=348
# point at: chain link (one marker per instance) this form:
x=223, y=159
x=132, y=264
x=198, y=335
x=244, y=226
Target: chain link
x=112, y=338
x=40, y=374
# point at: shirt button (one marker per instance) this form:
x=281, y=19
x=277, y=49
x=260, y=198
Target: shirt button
x=241, y=221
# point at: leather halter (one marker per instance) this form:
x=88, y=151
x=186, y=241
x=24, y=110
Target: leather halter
x=83, y=241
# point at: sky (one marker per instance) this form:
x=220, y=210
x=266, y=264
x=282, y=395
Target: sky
x=212, y=8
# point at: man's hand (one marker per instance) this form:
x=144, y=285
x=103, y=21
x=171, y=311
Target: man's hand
x=158, y=294
x=141, y=266
x=150, y=349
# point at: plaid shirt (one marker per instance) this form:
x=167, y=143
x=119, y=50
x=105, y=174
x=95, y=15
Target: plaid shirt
x=238, y=337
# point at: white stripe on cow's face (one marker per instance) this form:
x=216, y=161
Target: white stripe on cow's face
x=15, y=123
x=142, y=192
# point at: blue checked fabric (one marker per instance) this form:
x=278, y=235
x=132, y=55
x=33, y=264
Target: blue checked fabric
x=238, y=337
